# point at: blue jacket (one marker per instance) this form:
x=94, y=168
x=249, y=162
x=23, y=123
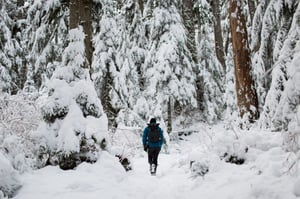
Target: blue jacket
x=152, y=144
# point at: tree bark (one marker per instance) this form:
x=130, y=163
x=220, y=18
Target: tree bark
x=215, y=5
x=169, y=128
x=246, y=94
x=141, y=6
x=188, y=16
x=81, y=14
x=105, y=87
x=251, y=6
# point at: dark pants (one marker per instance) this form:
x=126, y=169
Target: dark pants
x=153, y=155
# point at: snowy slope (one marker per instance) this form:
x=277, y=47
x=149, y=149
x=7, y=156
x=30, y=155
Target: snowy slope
x=264, y=175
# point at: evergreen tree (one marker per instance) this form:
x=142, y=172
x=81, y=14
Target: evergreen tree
x=271, y=25
x=281, y=100
x=105, y=67
x=74, y=128
x=131, y=58
x=12, y=65
x=168, y=67
x=45, y=38
x=210, y=69
x=286, y=114
x=271, y=60
x=119, y=58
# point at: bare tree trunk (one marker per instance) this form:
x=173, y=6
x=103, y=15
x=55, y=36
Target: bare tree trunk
x=199, y=83
x=169, y=129
x=246, y=94
x=81, y=14
x=74, y=14
x=215, y=4
x=141, y=5
x=189, y=17
x=251, y=6
x=105, y=98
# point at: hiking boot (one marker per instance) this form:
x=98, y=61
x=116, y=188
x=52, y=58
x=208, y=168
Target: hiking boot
x=153, y=169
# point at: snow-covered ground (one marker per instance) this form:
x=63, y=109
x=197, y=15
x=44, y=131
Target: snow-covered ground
x=264, y=175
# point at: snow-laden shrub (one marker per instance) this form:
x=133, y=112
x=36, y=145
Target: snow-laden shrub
x=198, y=168
x=127, y=117
x=126, y=141
x=80, y=132
x=201, y=161
x=75, y=127
x=9, y=178
x=18, y=118
x=232, y=148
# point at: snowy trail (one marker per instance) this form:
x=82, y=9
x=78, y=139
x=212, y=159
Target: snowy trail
x=100, y=180
x=260, y=178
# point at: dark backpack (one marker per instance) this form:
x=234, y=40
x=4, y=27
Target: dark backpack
x=154, y=135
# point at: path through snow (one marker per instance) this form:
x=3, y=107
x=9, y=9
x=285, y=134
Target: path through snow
x=259, y=178
x=106, y=179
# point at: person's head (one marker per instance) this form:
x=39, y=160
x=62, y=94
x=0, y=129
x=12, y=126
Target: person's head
x=153, y=120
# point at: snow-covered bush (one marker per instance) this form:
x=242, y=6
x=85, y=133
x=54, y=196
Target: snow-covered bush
x=126, y=141
x=198, y=168
x=10, y=181
x=201, y=161
x=232, y=148
x=18, y=118
x=74, y=128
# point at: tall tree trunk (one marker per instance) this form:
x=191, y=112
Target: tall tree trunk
x=246, y=94
x=169, y=128
x=215, y=4
x=81, y=14
x=189, y=17
x=251, y=6
x=111, y=112
x=141, y=6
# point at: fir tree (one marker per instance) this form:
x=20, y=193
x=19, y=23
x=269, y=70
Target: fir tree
x=12, y=51
x=45, y=38
x=168, y=66
x=74, y=128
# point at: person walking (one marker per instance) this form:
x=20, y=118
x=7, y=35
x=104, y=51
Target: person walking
x=153, y=140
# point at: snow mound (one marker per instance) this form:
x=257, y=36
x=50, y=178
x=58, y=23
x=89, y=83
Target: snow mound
x=10, y=180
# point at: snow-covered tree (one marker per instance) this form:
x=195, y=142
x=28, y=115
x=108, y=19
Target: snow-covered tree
x=118, y=59
x=74, y=127
x=281, y=109
x=168, y=68
x=12, y=50
x=274, y=58
x=131, y=59
x=104, y=65
x=210, y=69
x=45, y=38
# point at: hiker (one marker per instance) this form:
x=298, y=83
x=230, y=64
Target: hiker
x=152, y=141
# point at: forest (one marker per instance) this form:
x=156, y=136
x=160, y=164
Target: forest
x=74, y=72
